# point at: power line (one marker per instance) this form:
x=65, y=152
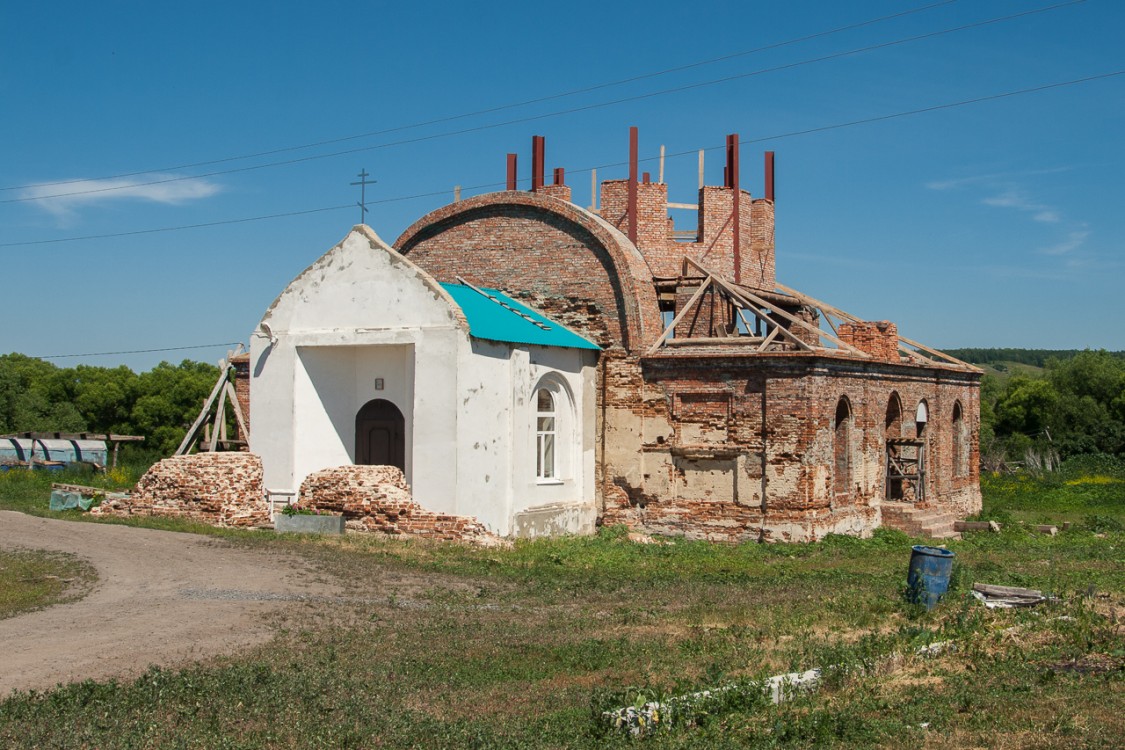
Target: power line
x=557, y=113
x=760, y=139
x=175, y=229
x=138, y=351
x=502, y=107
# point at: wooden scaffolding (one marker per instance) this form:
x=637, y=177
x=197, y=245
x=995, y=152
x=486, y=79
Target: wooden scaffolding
x=906, y=470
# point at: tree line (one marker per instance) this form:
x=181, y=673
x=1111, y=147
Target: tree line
x=1034, y=357
x=161, y=403
x=1075, y=406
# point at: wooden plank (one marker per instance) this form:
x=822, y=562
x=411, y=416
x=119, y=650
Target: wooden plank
x=686, y=206
x=975, y=526
x=76, y=436
x=220, y=418
x=990, y=590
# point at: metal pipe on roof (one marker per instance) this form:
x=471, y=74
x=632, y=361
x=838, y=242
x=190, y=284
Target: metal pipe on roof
x=769, y=176
x=632, y=191
x=511, y=171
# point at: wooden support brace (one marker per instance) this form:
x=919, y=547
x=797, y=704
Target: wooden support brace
x=754, y=299
x=220, y=414
x=189, y=438
x=243, y=429
x=679, y=316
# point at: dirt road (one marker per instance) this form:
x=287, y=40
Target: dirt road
x=162, y=598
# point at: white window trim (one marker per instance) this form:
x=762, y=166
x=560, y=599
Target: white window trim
x=545, y=474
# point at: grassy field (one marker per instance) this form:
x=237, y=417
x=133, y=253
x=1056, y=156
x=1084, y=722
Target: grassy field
x=32, y=579
x=526, y=647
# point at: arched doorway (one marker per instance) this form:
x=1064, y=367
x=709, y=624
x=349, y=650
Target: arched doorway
x=380, y=435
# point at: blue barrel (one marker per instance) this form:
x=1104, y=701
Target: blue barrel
x=928, y=579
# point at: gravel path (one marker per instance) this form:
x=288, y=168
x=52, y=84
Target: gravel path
x=162, y=598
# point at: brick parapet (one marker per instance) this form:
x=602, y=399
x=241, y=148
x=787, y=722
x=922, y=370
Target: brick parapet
x=877, y=338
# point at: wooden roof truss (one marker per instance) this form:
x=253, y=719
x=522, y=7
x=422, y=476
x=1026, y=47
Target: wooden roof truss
x=749, y=306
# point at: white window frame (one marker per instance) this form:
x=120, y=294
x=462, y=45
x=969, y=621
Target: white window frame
x=566, y=467
x=545, y=473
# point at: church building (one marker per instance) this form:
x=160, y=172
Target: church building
x=546, y=367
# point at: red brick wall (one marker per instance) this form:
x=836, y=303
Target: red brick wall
x=714, y=246
x=241, y=366
x=877, y=338
x=707, y=421
x=556, y=256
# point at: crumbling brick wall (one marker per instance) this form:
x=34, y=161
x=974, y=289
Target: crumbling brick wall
x=377, y=499
x=737, y=447
x=223, y=489
x=878, y=338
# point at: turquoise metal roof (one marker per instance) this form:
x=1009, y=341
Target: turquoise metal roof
x=497, y=317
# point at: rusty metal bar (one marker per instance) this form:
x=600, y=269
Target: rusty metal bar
x=560, y=176
x=511, y=171
x=732, y=150
x=538, y=153
x=769, y=175
x=632, y=193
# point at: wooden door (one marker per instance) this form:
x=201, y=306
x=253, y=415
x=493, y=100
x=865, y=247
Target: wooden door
x=380, y=435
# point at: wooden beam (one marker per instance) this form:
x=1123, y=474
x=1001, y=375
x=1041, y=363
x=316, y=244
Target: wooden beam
x=676, y=320
x=769, y=339
x=826, y=308
x=687, y=206
x=220, y=419
x=756, y=300
x=189, y=438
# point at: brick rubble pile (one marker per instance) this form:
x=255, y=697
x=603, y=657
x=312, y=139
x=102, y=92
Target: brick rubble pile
x=223, y=489
x=377, y=499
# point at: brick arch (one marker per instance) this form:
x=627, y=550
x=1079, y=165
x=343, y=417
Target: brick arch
x=574, y=266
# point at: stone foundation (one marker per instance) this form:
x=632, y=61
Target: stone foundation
x=377, y=499
x=222, y=489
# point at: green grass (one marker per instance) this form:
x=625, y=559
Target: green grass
x=33, y=579
x=523, y=647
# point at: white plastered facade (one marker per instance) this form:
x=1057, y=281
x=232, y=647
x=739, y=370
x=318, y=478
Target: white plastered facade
x=364, y=316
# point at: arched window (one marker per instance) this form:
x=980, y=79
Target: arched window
x=893, y=423
x=921, y=418
x=960, y=444
x=545, y=434
x=842, y=448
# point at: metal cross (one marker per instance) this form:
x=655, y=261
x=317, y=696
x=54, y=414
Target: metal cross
x=363, y=183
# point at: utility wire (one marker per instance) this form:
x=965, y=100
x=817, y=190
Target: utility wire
x=572, y=110
x=502, y=107
x=776, y=136
x=137, y=351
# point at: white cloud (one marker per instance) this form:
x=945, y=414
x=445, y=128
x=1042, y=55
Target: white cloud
x=1072, y=242
x=1014, y=197
x=63, y=200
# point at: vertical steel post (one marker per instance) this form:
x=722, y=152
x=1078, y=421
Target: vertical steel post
x=632, y=193
x=511, y=171
x=769, y=176
x=538, y=153
x=732, y=156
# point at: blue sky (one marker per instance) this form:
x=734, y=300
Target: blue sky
x=997, y=223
